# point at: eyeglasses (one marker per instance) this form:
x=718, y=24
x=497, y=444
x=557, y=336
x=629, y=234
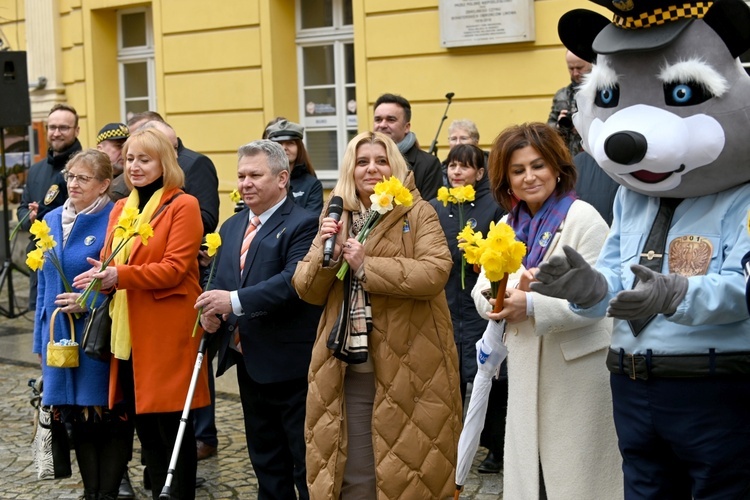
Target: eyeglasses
x=63, y=129
x=82, y=179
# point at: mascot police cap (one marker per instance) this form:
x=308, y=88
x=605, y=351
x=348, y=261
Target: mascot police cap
x=666, y=108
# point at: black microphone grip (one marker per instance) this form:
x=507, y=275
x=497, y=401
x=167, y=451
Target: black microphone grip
x=335, y=209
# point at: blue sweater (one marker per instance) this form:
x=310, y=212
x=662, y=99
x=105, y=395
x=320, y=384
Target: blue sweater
x=88, y=384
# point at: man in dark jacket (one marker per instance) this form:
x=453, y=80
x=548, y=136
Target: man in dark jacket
x=45, y=187
x=393, y=118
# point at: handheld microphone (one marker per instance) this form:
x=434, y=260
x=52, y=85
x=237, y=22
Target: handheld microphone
x=450, y=95
x=335, y=209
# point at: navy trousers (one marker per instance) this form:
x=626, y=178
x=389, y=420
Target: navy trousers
x=275, y=433
x=683, y=438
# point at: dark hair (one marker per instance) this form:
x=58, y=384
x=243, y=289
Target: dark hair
x=468, y=154
x=151, y=116
x=275, y=120
x=64, y=107
x=548, y=144
x=303, y=157
x=395, y=99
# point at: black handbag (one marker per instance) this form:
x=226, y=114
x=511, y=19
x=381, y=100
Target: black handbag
x=97, y=334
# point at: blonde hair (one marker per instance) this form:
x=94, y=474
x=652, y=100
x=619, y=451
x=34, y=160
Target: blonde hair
x=345, y=187
x=156, y=145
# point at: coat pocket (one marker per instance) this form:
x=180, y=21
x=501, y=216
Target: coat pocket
x=592, y=340
x=163, y=293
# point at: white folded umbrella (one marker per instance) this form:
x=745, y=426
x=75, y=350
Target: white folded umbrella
x=490, y=355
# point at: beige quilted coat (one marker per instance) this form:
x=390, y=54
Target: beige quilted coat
x=417, y=409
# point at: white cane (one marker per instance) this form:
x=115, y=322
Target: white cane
x=166, y=491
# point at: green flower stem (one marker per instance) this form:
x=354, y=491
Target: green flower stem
x=208, y=285
x=96, y=282
x=56, y=262
x=18, y=226
x=370, y=223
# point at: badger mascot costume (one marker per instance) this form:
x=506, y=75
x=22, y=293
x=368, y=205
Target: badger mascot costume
x=666, y=113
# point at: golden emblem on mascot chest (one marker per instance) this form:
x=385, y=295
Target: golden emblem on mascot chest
x=690, y=255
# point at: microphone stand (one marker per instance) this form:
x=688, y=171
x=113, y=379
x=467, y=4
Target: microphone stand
x=433, y=146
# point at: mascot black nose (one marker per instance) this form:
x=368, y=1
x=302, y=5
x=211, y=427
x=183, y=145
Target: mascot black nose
x=626, y=148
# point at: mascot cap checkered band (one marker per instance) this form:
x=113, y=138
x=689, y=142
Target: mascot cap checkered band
x=642, y=25
x=113, y=131
x=635, y=14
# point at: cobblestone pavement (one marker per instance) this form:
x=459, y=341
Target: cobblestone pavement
x=228, y=475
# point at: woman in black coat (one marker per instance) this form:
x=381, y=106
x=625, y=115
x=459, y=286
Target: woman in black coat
x=466, y=165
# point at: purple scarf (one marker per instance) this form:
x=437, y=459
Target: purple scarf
x=537, y=231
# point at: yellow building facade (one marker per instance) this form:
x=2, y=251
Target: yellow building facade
x=219, y=71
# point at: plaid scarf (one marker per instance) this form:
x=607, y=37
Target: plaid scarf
x=536, y=231
x=348, y=338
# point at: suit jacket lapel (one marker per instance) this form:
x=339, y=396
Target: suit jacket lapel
x=265, y=230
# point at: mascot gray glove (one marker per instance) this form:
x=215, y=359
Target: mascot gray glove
x=571, y=278
x=655, y=293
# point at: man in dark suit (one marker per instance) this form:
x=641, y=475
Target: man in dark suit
x=266, y=330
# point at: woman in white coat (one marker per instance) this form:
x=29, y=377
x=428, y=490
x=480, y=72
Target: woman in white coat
x=560, y=440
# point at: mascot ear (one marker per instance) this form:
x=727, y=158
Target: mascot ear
x=577, y=30
x=730, y=19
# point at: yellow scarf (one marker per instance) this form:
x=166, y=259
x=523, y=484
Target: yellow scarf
x=118, y=308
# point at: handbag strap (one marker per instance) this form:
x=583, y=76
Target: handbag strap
x=52, y=326
x=161, y=208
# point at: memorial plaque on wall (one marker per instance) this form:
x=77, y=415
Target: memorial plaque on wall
x=465, y=23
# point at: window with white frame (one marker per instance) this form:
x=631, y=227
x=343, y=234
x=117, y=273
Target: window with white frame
x=135, y=58
x=325, y=58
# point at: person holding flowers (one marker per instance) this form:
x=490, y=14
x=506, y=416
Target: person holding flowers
x=469, y=201
x=559, y=439
x=383, y=405
x=66, y=237
x=154, y=275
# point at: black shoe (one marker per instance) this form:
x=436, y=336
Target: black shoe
x=126, y=489
x=490, y=465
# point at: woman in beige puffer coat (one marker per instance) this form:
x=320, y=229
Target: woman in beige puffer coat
x=412, y=360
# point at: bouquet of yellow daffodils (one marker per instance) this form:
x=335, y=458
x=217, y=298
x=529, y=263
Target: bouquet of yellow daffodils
x=44, y=246
x=213, y=242
x=458, y=195
x=386, y=193
x=499, y=254
x=128, y=226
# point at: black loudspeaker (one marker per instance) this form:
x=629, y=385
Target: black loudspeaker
x=15, y=108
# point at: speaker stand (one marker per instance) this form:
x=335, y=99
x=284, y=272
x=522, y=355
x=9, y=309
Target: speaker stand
x=6, y=275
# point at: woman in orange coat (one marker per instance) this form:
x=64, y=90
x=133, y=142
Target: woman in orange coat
x=156, y=286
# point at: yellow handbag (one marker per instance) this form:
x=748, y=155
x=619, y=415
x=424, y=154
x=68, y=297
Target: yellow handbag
x=62, y=355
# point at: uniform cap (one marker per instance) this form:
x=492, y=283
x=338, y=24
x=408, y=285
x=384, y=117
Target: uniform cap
x=113, y=131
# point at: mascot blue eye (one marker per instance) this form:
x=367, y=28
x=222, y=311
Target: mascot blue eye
x=685, y=94
x=608, y=97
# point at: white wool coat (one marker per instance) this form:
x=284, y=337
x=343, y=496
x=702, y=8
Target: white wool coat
x=559, y=401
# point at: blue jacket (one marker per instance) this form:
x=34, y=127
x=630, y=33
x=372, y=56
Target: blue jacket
x=713, y=314
x=468, y=325
x=88, y=384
